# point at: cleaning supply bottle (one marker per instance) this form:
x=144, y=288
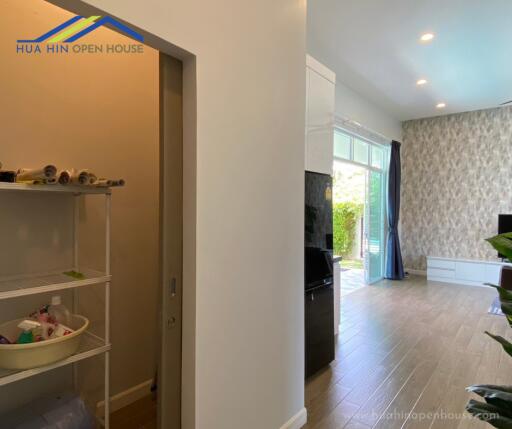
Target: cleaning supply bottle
x=43, y=318
x=59, y=312
x=61, y=331
x=27, y=336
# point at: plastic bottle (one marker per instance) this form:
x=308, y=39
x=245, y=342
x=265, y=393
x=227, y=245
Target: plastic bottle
x=61, y=331
x=59, y=312
x=27, y=336
x=43, y=318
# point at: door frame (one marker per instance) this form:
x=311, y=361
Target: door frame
x=385, y=174
x=383, y=232
x=171, y=243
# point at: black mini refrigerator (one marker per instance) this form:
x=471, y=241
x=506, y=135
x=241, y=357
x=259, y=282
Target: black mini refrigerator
x=318, y=273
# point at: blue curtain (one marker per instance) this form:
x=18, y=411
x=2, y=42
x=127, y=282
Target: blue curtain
x=394, y=264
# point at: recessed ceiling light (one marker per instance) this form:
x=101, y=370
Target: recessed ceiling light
x=427, y=37
x=441, y=105
x=422, y=82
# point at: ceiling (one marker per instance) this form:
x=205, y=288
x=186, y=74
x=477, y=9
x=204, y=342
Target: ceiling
x=374, y=48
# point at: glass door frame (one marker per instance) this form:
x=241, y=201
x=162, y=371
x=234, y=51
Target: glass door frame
x=384, y=171
x=384, y=227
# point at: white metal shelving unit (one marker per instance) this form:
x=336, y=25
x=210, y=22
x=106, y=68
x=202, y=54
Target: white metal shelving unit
x=25, y=285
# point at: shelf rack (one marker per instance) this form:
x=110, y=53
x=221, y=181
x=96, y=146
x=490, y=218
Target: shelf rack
x=18, y=286
x=69, y=189
x=90, y=346
x=25, y=285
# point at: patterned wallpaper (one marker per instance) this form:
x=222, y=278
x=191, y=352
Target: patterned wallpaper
x=456, y=179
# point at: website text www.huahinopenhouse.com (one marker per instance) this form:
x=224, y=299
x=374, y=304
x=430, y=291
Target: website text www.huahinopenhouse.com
x=396, y=415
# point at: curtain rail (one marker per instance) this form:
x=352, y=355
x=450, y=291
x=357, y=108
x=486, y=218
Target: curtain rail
x=360, y=130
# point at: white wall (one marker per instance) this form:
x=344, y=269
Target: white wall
x=351, y=105
x=249, y=295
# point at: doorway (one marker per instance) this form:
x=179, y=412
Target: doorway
x=349, y=194
x=359, y=205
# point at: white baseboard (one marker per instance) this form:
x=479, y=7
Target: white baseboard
x=127, y=397
x=456, y=281
x=416, y=272
x=297, y=421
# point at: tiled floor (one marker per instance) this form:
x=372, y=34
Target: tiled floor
x=405, y=354
x=351, y=280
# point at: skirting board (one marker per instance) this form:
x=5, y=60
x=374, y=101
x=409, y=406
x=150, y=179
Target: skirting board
x=125, y=398
x=456, y=281
x=297, y=421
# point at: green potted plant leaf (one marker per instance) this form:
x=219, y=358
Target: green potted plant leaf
x=497, y=408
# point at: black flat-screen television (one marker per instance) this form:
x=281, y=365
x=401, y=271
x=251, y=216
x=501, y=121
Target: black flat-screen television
x=504, y=225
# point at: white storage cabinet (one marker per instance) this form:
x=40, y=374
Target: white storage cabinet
x=320, y=103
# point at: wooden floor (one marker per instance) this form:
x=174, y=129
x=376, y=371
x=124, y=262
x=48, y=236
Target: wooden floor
x=405, y=354
x=139, y=415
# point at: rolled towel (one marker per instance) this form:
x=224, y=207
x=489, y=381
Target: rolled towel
x=107, y=183
x=103, y=183
x=92, y=177
x=7, y=176
x=119, y=182
x=64, y=177
x=79, y=177
x=45, y=173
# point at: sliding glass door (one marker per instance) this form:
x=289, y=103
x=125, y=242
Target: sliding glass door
x=374, y=227
x=374, y=158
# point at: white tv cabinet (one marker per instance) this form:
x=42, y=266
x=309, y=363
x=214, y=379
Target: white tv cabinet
x=464, y=271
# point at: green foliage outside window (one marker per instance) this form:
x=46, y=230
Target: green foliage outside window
x=345, y=219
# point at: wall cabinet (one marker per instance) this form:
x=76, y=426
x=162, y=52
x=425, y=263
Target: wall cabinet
x=319, y=338
x=320, y=103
